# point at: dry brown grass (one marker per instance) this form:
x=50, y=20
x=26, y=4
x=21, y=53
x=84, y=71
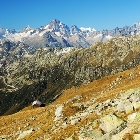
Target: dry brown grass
x=92, y=89
x=128, y=136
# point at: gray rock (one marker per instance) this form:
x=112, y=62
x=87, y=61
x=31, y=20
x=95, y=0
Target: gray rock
x=24, y=134
x=91, y=135
x=58, y=111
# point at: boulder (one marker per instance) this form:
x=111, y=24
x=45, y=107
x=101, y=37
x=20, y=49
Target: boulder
x=136, y=137
x=2, y=137
x=91, y=135
x=129, y=108
x=110, y=122
x=134, y=117
x=58, y=112
x=120, y=106
x=70, y=138
x=24, y=134
x=136, y=105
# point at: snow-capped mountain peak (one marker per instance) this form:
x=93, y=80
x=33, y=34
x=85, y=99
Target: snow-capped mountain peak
x=3, y=31
x=13, y=31
x=137, y=25
x=74, y=29
x=56, y=26
x=26, y=29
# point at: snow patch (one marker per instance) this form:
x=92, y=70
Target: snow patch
x=42, y=33
x=60, y=23
x=63, y=51
x=99, y=35
x=58, y=33
x=87, y=29
x=47, y=28
x=108, y=37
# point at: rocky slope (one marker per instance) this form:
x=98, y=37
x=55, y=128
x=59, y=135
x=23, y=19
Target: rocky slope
x=45, y=74
x=58, y=34
x=105, y=109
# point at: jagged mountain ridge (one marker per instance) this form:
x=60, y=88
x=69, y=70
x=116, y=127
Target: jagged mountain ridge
x=58, y=34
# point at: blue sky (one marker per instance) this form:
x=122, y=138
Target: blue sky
x=98, y=14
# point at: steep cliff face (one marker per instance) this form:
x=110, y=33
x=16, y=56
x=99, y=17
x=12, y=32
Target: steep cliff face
x=46, y=73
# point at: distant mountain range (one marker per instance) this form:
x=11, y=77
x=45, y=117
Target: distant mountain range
x=58, y=34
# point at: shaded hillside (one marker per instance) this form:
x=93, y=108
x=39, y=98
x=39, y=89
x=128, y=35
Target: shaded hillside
x=108, y=108
x=48, y=72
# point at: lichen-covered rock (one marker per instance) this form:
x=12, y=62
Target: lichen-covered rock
x=136, y=137
x=2, y=137
x=110, y=122
x=129, y=108
x=133, y=117
x=74, y=121
x=120, y=106
x=136, y=105
x=91, y=135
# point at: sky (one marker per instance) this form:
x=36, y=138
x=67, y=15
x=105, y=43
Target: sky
x=97, y=14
